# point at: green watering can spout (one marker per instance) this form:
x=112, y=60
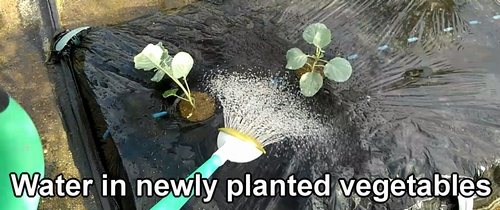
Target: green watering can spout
x=20, y=152
x=206, y=170
x=233, y=146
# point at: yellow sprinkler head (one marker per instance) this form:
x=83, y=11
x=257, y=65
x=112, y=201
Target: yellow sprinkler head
x=239, y=147
x=244, y=137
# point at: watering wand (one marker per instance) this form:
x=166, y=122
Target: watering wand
x=20, y=151
x=234, y=146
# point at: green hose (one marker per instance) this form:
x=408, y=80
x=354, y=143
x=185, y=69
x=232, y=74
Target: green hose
x=20, y=151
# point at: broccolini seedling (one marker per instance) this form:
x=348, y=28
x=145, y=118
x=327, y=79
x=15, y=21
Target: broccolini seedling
x=337, y=69
x=156, y=57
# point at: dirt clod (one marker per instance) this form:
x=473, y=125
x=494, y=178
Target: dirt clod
x=205, y=107
x=306, y=68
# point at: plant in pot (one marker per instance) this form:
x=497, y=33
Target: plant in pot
x=312, y=69
x=194, y=106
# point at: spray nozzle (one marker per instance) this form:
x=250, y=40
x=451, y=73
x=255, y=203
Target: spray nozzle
x=238, y=147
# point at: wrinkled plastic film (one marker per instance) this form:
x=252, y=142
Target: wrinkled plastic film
x=387, y=124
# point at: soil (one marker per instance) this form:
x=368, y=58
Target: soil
x=24, y=34
x=205, y=107
x=491, y=202
x=306, y=68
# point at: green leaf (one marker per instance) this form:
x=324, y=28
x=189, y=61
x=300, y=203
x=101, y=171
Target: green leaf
x=169, y=93
x=310, y=83
x=149, y=58
x=338, y=70
x=317, y=34
x=158, y=76
x=295, y=59
x=182, y=63
x=164, y=55
x=160, y=44
x=167, y=60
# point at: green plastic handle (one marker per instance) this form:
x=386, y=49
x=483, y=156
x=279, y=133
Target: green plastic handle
x=206, y=170
x=20, y=152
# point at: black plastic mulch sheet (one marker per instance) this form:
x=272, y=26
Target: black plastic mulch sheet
x=392, y=126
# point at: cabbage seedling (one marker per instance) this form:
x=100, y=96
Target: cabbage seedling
x=156, y=57
x=337, y=69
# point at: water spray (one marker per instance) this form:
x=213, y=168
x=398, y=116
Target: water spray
x=256, y=114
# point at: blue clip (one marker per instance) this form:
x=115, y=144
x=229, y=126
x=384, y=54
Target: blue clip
x=448, y=29
x=277, y=79
x=496, y=17
x=412, y=39
x=351, y=57
x=473, y=22
x=383, y=47
x=159, y=114
x=106, y=134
